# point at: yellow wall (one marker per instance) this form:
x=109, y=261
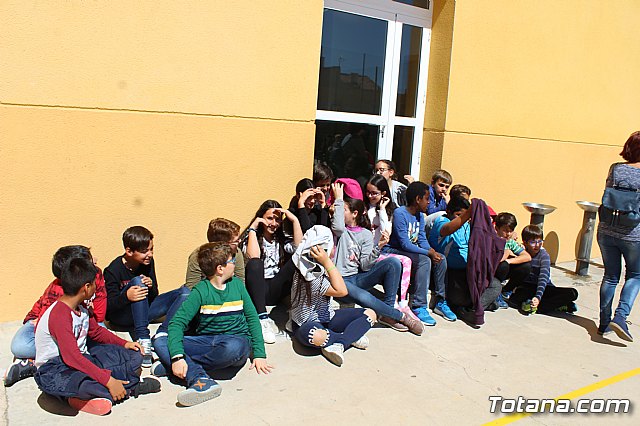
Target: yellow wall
x=163, y=114
x=541, y=95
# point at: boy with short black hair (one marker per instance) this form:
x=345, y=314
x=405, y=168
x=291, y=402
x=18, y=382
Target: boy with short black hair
x=440, y=182
x=132, y=290
x=220, y=230
x=23, y=343
x=225, y=329
x=92, y=379
x=408, y=239
x=516, y=262
x=536, y=293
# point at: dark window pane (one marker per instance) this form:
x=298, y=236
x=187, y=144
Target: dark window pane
x=348, y=148
x=402, y=149
x=409, y=71
x=351, y=63
x=424, y=4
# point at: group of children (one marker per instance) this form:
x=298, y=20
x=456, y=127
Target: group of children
x=338, y=239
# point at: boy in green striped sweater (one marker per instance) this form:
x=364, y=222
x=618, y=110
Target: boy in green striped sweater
x=223, y=324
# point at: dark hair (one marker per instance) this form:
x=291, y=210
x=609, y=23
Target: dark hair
x=381, y=183
x=631, y=149
x=506, y=219
x=64, y=254
x=414, y=190
x=531, y=232
x=456, y=204
x=136, y=238
x=279, y=234
x=78, y=272
x=391, y=166
x=442, y=175
x=356, y=205
x=222, y=230
x=321, y=171
x=457, y=190
x=212, y=255
x=303, y=185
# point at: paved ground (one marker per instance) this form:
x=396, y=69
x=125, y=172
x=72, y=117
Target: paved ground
x=443, y=377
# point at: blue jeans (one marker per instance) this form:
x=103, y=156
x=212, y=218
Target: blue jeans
x=613, y=249
x=143, y=312
x=23, y=344
x=386, y=272
x=206, y=352
x=423, y=268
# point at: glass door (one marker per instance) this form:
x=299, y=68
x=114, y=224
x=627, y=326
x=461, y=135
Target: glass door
x=372, y=86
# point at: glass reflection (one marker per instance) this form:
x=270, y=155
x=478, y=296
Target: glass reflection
x=403, y=149
x=351, y=63
x=409, y=71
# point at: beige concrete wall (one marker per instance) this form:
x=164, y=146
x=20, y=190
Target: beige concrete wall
x=540, y=97
x=163, y=114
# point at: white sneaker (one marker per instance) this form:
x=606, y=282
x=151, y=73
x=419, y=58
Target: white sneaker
x=267, y=331
x=361, y=343
x=334, y=353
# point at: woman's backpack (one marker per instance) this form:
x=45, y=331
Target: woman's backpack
x=620, y=205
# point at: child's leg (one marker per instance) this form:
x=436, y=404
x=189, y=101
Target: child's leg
x=312, y=334
x=23, y=344
x=167, y=304
x=405, y=280
x=458, y=289
x=256, y=284
x=554, y=297
x=214, y=352
x=139, y=312
x=280, y=285
x=57, y=379
x=350, y=324
x=421, y=266
x=516, y=275
x=490, y=294
x=521, y=294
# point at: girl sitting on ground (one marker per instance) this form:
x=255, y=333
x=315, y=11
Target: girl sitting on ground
x=309, y=205
x=315, y=281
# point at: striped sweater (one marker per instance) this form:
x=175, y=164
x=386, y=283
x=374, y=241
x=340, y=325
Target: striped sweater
x=208, y=310
x=540, y=275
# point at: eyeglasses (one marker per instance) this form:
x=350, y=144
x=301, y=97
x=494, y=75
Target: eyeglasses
x=535, y=242
x=381, y=170
x=373, y=194
x=233, y=260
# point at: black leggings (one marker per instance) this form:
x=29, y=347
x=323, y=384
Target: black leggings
x=552, y=298
x=516, y=274
x=267, y=291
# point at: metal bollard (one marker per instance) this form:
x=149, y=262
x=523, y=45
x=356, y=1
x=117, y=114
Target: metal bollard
x=538, y=211
x=586, y=236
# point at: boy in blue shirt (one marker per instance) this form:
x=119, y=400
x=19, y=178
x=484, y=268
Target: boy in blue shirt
x=440, y=182
x=408, y=239
x=450, y=236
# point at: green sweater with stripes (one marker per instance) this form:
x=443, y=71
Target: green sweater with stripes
x=208, y=310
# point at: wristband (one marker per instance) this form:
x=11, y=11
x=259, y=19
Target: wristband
x=177, y=358
x=253, y=229
x=331, y=269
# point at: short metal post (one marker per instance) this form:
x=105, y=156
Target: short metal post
x=586, y=236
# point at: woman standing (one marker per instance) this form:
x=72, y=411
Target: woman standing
x=620, y=240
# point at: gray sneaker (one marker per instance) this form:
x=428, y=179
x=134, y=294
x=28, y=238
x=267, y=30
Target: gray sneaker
x=361, y=343
x=202, y=390
x=334, y=353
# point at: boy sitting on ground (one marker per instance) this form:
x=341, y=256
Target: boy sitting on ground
x=220, y=231
x=23, y=343
x=132, y=290
x=440, y=182
x=516, y=262
x=227, y=329
x=92, y=379
x=450, y=236
x=536, y=293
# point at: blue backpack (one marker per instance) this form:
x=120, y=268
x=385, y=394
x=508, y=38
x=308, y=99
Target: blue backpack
x=620, y=204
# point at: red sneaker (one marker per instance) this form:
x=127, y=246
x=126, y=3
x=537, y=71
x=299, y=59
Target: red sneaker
x=97, y=406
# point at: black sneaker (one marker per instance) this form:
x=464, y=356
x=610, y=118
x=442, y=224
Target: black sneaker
x=148, y=384
x=20, y=369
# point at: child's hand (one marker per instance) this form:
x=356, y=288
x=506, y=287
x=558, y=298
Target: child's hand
x=134, y=346
x=146, y=280
x=180, y=368
x=321, y=198
x=261, y=365
x=304, y=196
x=384, y=201
x=435, y=256
x=384, y=238
x=137, y=293
x=338, y=190
x=409, y=178
x=116, y=388
x=321, y=256
x=534, y=302
x=257, y=222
